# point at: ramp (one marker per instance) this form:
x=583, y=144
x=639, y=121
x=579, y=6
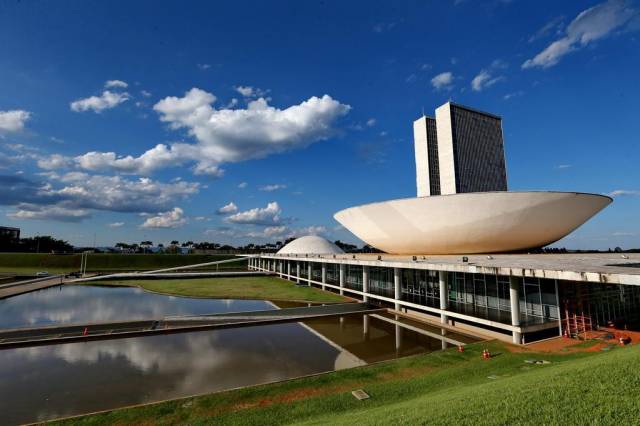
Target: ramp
x=21, y=287
x=23, y=337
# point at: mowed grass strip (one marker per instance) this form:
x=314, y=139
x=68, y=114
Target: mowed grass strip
x=64, y=263
x=439, y=388
x=262, y=288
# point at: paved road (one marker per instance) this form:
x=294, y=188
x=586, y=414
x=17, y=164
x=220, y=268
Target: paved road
x=14, y=290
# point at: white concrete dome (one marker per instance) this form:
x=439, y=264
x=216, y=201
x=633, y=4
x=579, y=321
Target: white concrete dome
x=310, y=244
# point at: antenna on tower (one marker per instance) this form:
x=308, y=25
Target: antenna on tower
x=423, y=110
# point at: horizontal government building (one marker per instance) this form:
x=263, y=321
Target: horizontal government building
x=520, y=298
x=456, y=253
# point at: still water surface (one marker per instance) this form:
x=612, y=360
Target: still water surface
x=46, y=382
x=85, y=304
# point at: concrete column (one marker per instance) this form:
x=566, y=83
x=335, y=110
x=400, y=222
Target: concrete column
x=298, y=272
x=324, y=275
x=444, y=296
x=309, y=269
x=514, y=297
x=396, y=285
x=288, y=269
x=558, y=304
x=398, y=333
x=365, y=283
x=365, y=326
x=343, y=272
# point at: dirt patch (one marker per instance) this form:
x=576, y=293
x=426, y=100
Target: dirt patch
x=597, y=347
x=307, y=392
x=558, y=344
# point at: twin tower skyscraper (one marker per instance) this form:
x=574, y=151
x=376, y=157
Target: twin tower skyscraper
x=460, y=150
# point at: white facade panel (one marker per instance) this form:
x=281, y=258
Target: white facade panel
x=422, y=157
x=445, y=150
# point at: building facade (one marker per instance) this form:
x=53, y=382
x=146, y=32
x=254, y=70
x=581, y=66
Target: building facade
x=510, y=303
x=426, y=152
x=460, y=151
x=10, y=233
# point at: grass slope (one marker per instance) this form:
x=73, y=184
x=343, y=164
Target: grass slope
x=33, y=262
x=439, y=388
x=263, y=288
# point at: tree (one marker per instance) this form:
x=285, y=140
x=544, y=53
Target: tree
x=175, y=242
x=347, y=248
x=41, y=244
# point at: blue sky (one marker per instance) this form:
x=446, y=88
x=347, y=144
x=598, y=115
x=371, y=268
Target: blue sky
x=124, y=121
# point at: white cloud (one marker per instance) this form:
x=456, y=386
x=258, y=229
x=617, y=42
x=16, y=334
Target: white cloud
x=563, y=166
x=228, y=209
x=116, y=84
x=221, y=136
x=241, y=134
x=169, y=219
x=145, y=93
x=269, y=215
x=271, y=188
x=590, y=25
x=116, y=225
x=13, y=120
x=55, y=162
x=242, y=185
x=244, y=90
x=204, y=66
x=251, y=92
x=442, y=81
x=371, y=122
x=98, y=104
x=384, y=26
x=624, y=192
x=484, y=80
x=553, y=26
x=115, y=193
x=513, y=95
x=77, y=191
x=283, y=232
x=55, y=212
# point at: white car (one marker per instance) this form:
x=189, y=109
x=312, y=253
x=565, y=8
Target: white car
x=42, y=274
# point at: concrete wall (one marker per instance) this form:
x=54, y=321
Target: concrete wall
x=422, y=158
x=446, y=156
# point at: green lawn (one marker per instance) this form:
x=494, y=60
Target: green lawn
x=53, y=263
x=263, y=288
x=439, y=388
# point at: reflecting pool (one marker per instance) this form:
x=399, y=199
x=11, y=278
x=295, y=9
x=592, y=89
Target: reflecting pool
x=47, y=382
x=69, y=304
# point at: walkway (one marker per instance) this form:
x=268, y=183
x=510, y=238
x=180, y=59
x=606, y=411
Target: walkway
x=173, y=324
x=172, y=275
x=21, y=287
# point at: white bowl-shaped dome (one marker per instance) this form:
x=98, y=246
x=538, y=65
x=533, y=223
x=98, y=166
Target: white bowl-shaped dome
x=310, y=244
x=481, y=222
